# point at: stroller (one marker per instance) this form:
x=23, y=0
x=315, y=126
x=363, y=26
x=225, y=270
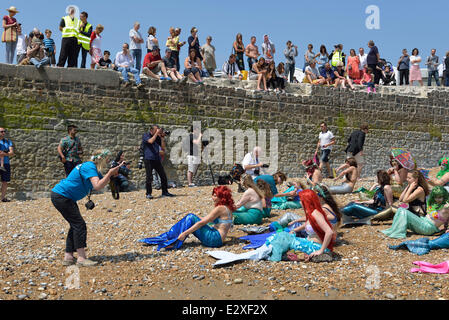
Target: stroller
x=388, y=77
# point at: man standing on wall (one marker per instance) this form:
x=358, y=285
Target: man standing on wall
x=152, y=142
x=69, y=27
x=70, y=150
x=84, y=33
x=326, y=140
x=6, y=151
x=355, y=147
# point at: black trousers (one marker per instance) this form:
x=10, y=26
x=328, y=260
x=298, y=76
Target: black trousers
x=77, y=236
x=156, y=165
x=404, y=74
x=69, y=52
x=69, y=166
x=175, y=55
x=84, y=53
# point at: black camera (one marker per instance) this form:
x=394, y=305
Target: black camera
x=141, y=156
x=265, y=166
x=166, y=132
x=90, y=205
x=205, y=143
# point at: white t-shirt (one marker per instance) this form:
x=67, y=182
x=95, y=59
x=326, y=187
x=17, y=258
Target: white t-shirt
x=21, y=44
x=326, y=138
x=362, y=61
x=249, y=159
x=150, y=43
x=96, y=43
x=133, y=45
x=413, y=59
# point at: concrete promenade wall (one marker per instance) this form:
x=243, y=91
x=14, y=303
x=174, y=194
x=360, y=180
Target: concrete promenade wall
x=35, y=107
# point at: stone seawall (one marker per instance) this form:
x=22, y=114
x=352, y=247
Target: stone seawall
x=35, y=107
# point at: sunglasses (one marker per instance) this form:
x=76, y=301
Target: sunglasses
x=2, y=131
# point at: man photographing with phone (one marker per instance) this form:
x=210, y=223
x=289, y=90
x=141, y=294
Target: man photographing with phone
x=153, y=143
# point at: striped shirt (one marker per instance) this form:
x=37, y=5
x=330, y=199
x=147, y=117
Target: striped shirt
x=49, y=44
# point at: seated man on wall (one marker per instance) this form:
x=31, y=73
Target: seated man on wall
x=36, y=52
x=313, y=75
x=231, y=69
x=328, y=74
x=153, y=64
x=170, y=66
x=124, y=63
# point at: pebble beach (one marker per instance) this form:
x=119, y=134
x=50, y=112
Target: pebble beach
x=32, y=238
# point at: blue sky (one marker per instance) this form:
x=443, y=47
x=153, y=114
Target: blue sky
x=403, y=24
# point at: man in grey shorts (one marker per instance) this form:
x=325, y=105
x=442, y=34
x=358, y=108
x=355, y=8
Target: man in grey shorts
x=326, y=140
x=194, y=157
x=153, y=64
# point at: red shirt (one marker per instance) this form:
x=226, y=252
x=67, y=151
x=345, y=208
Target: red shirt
x=150, y=58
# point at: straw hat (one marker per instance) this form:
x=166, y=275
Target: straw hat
x=12, y=9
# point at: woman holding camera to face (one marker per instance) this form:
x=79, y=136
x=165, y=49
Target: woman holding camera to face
x=76, y=186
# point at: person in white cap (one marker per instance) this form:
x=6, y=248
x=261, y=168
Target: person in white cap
x=9, y=35
x=69, y=27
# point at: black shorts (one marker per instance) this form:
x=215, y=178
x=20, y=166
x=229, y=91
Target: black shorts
x=6, y=175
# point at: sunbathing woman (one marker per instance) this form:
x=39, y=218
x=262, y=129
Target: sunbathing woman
x=266, y=189
x=313, y=173
x=351, y=176
x=412, y=218
x=250, y=206
x=383, y=199
x=443, y=175
x=210, y=236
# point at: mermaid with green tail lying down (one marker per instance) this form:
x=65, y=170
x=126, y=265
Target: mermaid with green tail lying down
x=442, y=178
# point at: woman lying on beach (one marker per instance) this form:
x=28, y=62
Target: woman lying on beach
x=210, y=236
x=419, y=218
x=351, y=175
x=383, y=199
x=251, y=204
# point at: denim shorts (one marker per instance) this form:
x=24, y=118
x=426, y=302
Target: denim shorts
x=325, y=155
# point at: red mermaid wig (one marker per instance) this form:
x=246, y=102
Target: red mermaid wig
x=310, y=203
x=225, y=196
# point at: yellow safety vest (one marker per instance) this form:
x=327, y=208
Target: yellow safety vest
x=71, y=27
x=84, y=40
x=336, y=58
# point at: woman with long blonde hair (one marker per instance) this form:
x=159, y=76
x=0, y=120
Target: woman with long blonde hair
x=79, y=183
x=250, y=205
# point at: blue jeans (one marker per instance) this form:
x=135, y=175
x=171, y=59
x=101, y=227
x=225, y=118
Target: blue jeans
x=137, y=56
x=39, y=63
x=10, y=51
x=290, y=70
x=435, y=75
x=134, y=71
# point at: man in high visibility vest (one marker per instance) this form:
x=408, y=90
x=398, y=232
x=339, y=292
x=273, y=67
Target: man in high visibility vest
x=69, y=27
x=337, y=55
x=84, y=33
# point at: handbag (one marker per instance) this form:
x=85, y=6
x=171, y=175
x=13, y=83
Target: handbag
x=9, y=35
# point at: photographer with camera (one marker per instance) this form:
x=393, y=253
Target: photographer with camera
x=120, y=183
x=70, y=149
x=154, y=150
x=37, y=53
x=75, y=187
x=251, y=163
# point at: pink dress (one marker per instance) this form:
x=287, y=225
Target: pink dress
x=95, y=44
x=353, y=68
x=415, y=71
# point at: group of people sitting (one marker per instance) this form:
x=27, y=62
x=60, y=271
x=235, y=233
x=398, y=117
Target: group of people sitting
x=422, y=211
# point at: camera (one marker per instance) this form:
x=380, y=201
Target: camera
x=265, y=166
x=166, y=132
x=90, y=205
x=141, y=156
x=205, y=143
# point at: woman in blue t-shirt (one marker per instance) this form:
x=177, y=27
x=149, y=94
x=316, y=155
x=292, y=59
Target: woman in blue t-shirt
x=75, y=187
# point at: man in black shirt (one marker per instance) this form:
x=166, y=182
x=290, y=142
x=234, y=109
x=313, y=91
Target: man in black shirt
x=153, y=142
x=355, y=146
